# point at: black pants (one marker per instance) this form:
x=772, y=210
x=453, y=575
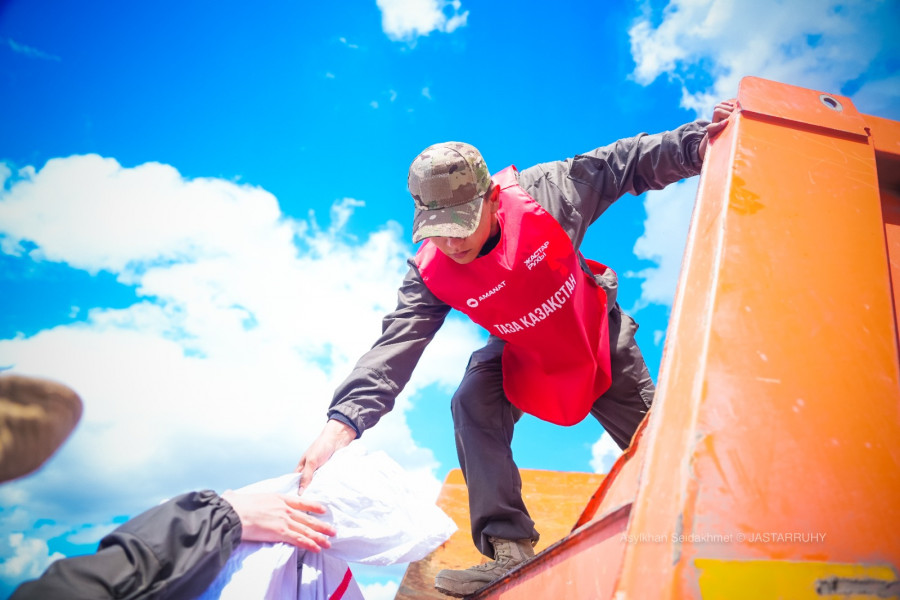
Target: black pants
x=172, y=551
x=484, y=419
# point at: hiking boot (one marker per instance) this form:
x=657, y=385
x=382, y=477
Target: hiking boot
x=36, y=417
x=508, y=554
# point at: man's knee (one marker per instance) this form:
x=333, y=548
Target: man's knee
x=480, y=401
x=624, y=405
x=630, y=376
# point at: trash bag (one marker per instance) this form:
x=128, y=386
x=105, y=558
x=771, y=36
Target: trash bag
x=381, y=518
x=381, y=515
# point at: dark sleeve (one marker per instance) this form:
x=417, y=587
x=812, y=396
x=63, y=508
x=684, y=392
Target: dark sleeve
x=380, y=375
x=578, y=190
x=172, y=551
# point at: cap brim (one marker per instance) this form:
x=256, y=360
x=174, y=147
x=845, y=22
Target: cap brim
x=455, y=221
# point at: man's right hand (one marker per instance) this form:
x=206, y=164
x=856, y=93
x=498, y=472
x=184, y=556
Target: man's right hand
x=334, y=436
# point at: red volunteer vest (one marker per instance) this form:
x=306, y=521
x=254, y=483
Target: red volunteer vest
x=531, y=291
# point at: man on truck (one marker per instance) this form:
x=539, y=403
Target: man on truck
x=504, y=251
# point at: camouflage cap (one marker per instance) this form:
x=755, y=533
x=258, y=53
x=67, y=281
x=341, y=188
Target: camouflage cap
x=447, y=182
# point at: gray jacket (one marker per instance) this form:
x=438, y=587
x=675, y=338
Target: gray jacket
x=575, y=192
x=173, y=551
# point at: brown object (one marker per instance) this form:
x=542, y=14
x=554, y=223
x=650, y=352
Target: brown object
x=36, y=417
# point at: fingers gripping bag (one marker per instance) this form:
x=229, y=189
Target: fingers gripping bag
x=382, y=517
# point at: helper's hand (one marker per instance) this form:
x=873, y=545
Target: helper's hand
x=280, y=518
x=721, y=114
x=334, y=436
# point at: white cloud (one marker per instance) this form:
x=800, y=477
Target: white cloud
x=220, y=375
x=91, y=534
x=665, y=233
x=880, y=97
x=707, y=46
x=406, y=20
x=658, y=336
x=380, y=591
x=604, y=453
x=24, y=557
x=93, y=214
x=29, y=51
x=456, y=21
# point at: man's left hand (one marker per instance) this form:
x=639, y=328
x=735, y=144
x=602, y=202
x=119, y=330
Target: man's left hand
x=721, y=113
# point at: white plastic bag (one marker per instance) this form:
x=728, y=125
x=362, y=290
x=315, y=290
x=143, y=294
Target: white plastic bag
x=326, y=577
x=257, y=570
x=381, y=515
x=381, y=518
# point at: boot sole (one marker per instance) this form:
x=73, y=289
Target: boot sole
x=444, y=590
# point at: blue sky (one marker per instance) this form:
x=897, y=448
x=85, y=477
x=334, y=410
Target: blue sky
x=203, y=211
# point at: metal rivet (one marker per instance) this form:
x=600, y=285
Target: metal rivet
x=830, y=102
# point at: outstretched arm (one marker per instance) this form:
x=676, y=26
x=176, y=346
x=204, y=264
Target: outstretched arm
x=175, y=549
x=578, y=190
x=369, y=391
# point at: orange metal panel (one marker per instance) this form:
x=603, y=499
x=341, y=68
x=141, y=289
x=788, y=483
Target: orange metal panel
x=885, y=136
x=890, y=208
x=804, y=108
x=775, y=430
x=886, y=139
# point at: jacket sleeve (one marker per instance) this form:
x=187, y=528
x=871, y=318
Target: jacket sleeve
x=578, y=190
x=380, y=375
x=172, y=551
